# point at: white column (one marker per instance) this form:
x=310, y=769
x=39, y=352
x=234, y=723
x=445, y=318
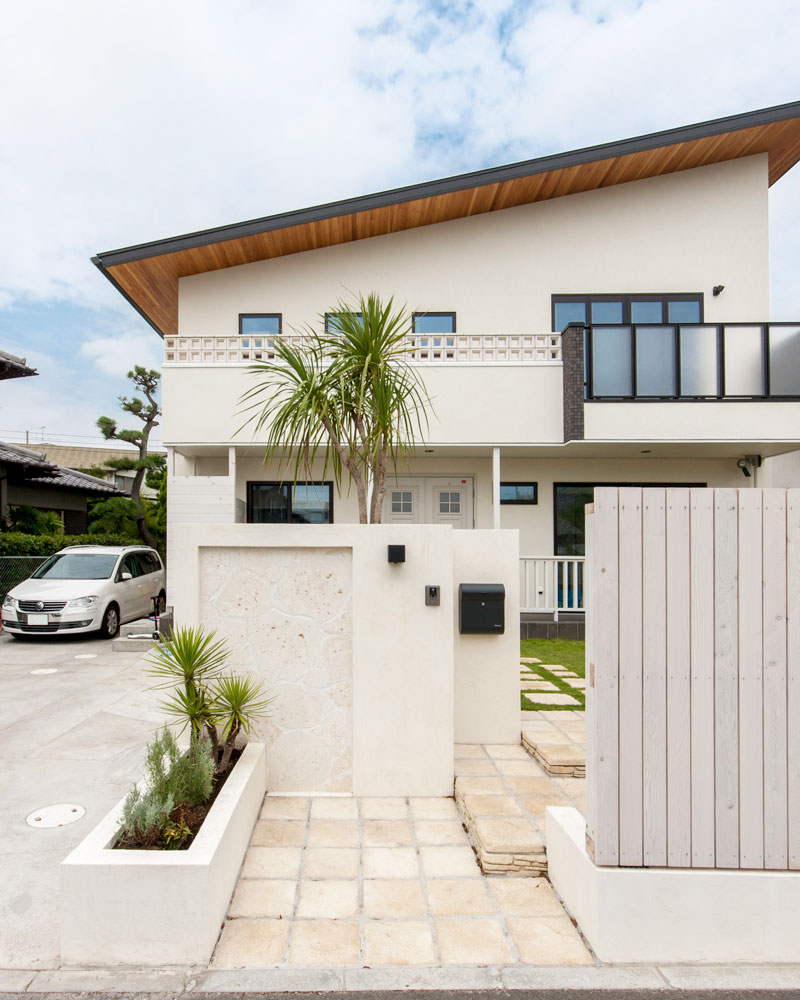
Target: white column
x=496, y=487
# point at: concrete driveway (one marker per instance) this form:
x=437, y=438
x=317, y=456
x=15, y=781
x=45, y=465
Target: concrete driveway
x=75, y=734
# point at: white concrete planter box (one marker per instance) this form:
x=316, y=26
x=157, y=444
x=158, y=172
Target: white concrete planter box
x=159, y=907
x=672, y=915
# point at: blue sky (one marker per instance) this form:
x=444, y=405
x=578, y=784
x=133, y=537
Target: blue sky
x=129, y=121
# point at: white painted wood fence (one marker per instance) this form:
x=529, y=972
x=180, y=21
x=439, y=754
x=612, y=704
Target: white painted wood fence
x=693, y=653
x=551, y=584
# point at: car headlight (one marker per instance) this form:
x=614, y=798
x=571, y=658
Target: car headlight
x=8, y=603
x=83, y=602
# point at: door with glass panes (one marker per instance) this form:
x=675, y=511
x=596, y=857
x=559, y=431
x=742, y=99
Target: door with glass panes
x=429, y=500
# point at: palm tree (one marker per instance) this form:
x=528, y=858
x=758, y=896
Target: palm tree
x=350, y=392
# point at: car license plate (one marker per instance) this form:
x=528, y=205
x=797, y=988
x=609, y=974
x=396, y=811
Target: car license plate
x=38, y=620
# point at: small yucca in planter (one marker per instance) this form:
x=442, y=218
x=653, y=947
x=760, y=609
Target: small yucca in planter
x=210, y=702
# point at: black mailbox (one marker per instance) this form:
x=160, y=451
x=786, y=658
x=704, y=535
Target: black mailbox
x=481, y=608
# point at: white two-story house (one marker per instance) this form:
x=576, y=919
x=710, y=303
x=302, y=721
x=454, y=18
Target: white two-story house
x=655, y=246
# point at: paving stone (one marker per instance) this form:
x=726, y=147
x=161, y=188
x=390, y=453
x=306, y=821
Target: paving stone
x=548, y=941
x=430, y=832
x=278, y=833
x=271, y=862
x=334, y=808
x=529, y=659
x=491, y=805
x=530, y=786
x=550, y=698
x=397, y=897
x=330, y=862
x=434, y=809
x=445, y=862
x=390, y=862
x=506, y=751
x=525, y=897
x=383, y=808
x=466, y=897
x=333, y=833
x=255, y=897
x=469, y=750
x=398, y=942
x=386, y=833
x=507, y=835
x=251, y=943
x=537, y=685
x=480, y=786
x=476, y=941
x=481, y=768
x=324, y=942
x=328, y=898
x=527, y=768
x=284, y=807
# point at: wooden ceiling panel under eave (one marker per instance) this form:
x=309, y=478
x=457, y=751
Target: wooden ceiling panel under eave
x=151, y=283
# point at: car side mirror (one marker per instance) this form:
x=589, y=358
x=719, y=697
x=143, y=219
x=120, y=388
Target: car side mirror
x=125, y=576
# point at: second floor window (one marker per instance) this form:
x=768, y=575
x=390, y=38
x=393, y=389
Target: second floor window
x=433, y=322
x=260, y=324
x=596, y=310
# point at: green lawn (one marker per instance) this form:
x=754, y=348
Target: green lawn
x=570, y=653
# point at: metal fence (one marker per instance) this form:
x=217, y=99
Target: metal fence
x=15, y=569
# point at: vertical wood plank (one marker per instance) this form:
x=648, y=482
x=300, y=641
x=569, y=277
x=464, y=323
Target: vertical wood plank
x=591, y=714
x=726, y=677
x=776, y=821
x=751, y=682
x=630, y=678
x=654, y=676
x=679, y=782
x=701, y=504
x=606, y=638
x=793, y=671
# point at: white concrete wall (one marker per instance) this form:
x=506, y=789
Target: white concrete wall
x=494, y=404
x=686, y=231
x=487, y=666
x=275, y=593
x=674, y=421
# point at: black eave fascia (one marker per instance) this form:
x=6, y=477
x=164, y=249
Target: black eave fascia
x=447, y=185
x=102, y=268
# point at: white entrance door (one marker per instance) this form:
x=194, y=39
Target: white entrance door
x=429, y=500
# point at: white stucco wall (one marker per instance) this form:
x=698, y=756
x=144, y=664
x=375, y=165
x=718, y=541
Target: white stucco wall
x=683, y=232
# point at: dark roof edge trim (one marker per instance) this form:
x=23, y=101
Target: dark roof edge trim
x=447, y=185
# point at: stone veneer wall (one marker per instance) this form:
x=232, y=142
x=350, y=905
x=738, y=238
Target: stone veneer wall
x=287, y=615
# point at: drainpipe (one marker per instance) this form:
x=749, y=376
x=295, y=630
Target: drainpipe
x=496, y=487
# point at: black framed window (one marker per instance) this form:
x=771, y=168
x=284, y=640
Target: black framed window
x=646, y=307
x=569, y=502
x=519, y=493
x=260, y=324
x=285, y=503
x=331, y=325
x=433, y=322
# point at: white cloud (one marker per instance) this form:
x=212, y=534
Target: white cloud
x=117, y=355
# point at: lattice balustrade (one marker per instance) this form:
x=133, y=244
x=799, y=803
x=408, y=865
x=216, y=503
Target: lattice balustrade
x=479, y=348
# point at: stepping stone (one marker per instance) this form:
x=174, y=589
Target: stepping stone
x=555, y=698
x=507, y=835
x=529, y=659
x=558, y=759
x=538, y=685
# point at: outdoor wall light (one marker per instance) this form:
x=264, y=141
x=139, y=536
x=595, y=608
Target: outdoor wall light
x=717, y=289
x=397, y=553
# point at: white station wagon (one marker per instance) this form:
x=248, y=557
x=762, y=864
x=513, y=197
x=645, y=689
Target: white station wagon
x=86, y=588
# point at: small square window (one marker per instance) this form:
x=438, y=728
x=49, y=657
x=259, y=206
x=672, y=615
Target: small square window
x=519, y=493
x=401, y=502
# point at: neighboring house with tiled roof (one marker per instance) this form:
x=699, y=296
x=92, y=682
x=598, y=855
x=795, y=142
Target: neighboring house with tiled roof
x=13, y=367
x=79, y=457
x=27, y=477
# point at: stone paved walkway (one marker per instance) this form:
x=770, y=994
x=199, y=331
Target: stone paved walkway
x=345, y=882
x=557, y=740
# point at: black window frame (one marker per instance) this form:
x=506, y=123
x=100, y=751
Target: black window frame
x=328, y=315
x=278, y=482
x=620, y=486
x=520, y=503
x=430, y=312
x=261, y=315
x=626, y=299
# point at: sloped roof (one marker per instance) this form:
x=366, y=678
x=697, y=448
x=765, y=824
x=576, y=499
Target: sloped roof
x=13, y=367
x=147, y=275
x=35, y=469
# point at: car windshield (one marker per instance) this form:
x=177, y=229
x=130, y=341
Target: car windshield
x=77, y=566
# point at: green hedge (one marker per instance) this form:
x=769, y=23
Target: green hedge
x=15, y=543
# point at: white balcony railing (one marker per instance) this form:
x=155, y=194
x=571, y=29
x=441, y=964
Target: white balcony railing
x=455, y=348
x=551, y=584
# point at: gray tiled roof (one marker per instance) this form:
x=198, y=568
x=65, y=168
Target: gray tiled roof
x=13, y=367
x=37, y=470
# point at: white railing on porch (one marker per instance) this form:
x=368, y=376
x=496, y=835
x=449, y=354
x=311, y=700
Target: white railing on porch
x=551, y=584
x=428, y=348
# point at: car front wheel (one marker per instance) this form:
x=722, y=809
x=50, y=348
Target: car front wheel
x=110, y=625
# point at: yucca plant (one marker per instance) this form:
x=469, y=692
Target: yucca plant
x=205, y=699
x=350, y=392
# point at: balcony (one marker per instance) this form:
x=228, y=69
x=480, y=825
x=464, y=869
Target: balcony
x=435, y=349
x=697, y=361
